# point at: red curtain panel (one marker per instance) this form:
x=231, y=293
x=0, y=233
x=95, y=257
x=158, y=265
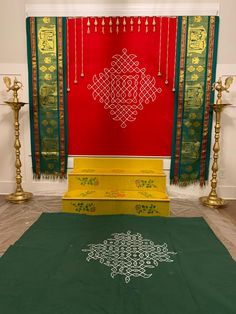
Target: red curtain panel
x=120, y=81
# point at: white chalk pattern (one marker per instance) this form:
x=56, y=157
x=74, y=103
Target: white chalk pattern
x=124, y=88
x=129, y=255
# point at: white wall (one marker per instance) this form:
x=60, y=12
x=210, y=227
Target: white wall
x=13, y=61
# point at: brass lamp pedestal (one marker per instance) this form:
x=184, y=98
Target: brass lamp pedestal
x=212, y=200
x=20, y=195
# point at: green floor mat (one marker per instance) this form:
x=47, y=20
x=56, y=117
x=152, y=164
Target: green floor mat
x=75, y=264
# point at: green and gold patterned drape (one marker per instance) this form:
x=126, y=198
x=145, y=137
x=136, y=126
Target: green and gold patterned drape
x=47, y=92
x=195, y=73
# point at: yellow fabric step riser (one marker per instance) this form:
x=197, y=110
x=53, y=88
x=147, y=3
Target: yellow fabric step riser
x=96, y=194
x=77, y=182
x=114, y=207
x=118, y=171
x=132, y=163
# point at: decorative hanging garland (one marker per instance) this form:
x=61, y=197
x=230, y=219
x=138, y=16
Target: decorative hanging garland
x=110, y=25
x=68, y=54
x=75, y=33
x=82, y=47
x=174, y=68
x=167, y=50
x=139, y=24
x=146, y=25
x=88, y=26
x=160, y=40
x=124, y=25
x=95, y=25
x=131, y=24
x=117, y=25
x=103, y=25
x=153, y=24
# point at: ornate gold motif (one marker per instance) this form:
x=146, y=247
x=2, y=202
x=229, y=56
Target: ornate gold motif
x=20, y=195
x=48, y=77
x=53, y=123
x=49, y=145
x=197, y=19
x=188, y=124
x=191, y=68
x=190, y=150
x=195, y=60
x=196, y=124
x=48, y=60
x=212, y=200
x=44, y=122
x=49, y=130
x=47, y=39
x=189, y=168
x=197, y=39
x=200, y=68
x=43, y=68
x=46, y=20
x=47, y=89
x=52, y=68
x=194, y=77
x=194, y=96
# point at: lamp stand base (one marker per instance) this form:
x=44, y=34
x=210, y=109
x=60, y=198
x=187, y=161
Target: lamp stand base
x=19, y=197
x=215, y=202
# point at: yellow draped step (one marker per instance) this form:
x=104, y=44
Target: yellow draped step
x=105, y=202
x=147, y=164
x=101, y=186
x=117, y=178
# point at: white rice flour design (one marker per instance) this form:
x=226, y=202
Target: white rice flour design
x=124, y=88
x=129, y=254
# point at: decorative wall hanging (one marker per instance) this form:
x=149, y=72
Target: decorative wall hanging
x=122, y=74
x=195, y=73
x=120, y=85
x=47, y=92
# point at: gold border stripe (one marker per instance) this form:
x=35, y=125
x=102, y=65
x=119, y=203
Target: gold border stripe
x=180, y=99
x=61, y=97
x=35, y=95
x=207, y=101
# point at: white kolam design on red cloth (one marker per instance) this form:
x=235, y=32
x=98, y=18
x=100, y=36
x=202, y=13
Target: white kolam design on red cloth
x=124, y=88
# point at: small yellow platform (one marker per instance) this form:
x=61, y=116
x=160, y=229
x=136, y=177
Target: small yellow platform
x=87, y=163
x=103, y=186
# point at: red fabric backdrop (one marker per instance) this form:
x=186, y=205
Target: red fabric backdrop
x=92, y=130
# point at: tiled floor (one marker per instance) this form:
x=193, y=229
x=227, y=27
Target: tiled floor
x=16, y=219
